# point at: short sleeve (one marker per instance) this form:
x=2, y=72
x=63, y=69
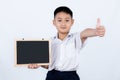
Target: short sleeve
x=78, y=41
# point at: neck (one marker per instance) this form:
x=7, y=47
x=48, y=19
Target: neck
x=61, y=36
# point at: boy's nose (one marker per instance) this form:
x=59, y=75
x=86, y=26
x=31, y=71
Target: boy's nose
x=63, y=23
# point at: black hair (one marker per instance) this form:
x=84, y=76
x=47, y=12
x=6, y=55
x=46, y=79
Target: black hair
x=63, y=9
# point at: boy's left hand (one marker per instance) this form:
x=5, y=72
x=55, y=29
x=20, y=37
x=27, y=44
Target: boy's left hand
x=100, y=30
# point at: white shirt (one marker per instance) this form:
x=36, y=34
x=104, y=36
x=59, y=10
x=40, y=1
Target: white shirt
x=65, y=53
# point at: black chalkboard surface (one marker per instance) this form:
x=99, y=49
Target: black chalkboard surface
x=32, y=51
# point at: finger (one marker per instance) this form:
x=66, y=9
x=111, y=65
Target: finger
x=101, y=33
x=29, y=65
x=36, y=66
x=98, y=22
x=32, y=66
x=100, y=28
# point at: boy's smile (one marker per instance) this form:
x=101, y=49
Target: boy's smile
x=63, y=22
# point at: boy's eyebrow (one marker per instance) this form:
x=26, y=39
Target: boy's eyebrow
x=67, y=18
x=61, y=18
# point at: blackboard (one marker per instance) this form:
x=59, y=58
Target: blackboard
x=32, y=52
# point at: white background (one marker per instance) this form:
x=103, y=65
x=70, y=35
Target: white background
x=100, y=58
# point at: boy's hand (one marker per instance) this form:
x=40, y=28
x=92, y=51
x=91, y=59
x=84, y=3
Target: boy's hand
x=33, y=66
x=100, y=30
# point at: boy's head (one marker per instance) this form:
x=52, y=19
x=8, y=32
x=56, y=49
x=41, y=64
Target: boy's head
x=63, y=9
x=63, y=19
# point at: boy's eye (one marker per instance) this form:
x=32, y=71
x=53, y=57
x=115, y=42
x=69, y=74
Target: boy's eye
x=67, y=20
x=59, y=20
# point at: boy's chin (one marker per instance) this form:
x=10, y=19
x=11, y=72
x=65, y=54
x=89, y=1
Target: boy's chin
x=64, y=32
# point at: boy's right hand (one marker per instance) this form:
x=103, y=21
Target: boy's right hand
x=33, y=66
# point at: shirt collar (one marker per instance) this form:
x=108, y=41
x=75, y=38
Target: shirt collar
x=69, y=35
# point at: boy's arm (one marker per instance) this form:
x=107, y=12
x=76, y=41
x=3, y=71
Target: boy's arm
x=45, y=66
x=89, y=32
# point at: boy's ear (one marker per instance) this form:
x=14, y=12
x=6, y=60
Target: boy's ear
x=53, y=22
x=72, y=21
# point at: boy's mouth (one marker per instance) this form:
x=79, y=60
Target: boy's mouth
x=63, y=27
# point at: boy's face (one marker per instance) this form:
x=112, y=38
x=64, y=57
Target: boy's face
x=63, y=22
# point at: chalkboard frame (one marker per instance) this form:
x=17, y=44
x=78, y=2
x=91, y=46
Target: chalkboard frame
x=26, y=64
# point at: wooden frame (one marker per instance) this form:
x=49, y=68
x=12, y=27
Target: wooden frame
x=24, y=52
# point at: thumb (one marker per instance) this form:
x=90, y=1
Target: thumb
x=98, y=23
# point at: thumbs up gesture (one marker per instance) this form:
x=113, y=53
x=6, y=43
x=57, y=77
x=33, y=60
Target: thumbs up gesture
x=100, y=30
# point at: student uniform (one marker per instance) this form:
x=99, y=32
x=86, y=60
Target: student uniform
x=65, y=58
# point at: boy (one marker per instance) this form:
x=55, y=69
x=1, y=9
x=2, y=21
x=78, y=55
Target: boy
x=66, y=46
